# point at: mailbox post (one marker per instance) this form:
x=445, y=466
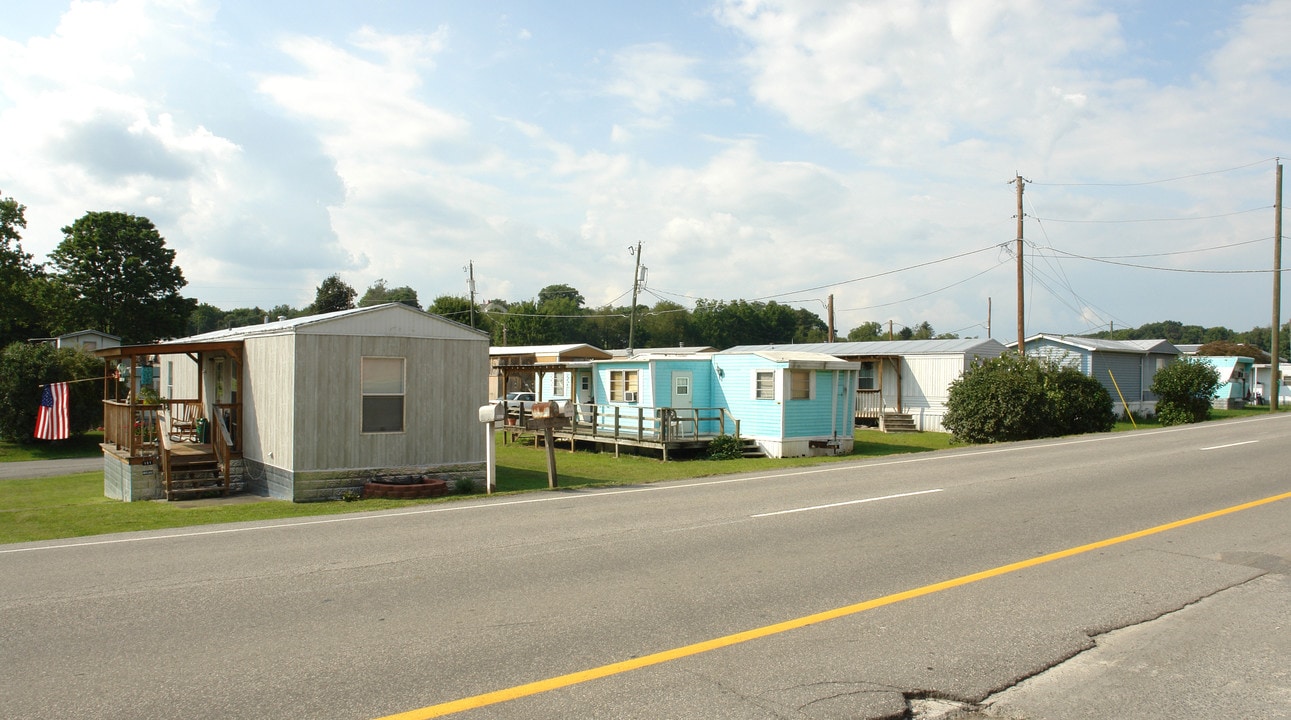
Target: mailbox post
x=490, y=415
x=545, y=416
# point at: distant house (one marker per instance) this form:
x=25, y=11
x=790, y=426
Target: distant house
x=528, y=368
x=1263, y=381
x=88, y=340
x=902, y=384
x=1125, y=368
x=1236, y=381
x=304, y=409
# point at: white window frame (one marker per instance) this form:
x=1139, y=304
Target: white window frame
x=765, y=386
x=378, y=389
x=558, y=384
x=810, y=379
x=623, y=381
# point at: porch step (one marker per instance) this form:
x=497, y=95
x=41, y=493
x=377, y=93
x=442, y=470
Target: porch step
x=899, y=423
x=750, y=449
x=199, y=477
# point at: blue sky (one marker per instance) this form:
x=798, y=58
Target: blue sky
x=756, y=149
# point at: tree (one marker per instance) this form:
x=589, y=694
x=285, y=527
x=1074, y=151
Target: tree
x=1022, y=398
x=116, y=274
x=203, y=319
x=866, y=332
x=457, y=309
x=24, y=368
x=332, y=295
x=18, y=277
x=1225, y=348
x=552, y=292
x=378, y=294
x=1184, y=390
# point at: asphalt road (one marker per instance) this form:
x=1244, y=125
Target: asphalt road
x=837, y=592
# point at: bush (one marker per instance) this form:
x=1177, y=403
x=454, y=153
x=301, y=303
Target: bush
x=725, y=447
x=25, y=367
x=1023, y=398
x=1184, y=390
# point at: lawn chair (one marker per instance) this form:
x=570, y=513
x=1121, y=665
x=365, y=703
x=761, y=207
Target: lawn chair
x=183, y=422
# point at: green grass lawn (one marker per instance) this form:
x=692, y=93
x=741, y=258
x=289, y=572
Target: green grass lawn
x=74, y=505
x=86, y=445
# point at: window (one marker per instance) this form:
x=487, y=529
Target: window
x=558, y=385
x=865, y=377
x=621, y=382
x=383, y=394
x=764, y=385
x=585, y=383
x=799, y=384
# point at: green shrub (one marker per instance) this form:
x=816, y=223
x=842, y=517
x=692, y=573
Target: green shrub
x=465, y=486
x=1184, y=390
x=725, y=447
x=1023, y=398
x=25, y=367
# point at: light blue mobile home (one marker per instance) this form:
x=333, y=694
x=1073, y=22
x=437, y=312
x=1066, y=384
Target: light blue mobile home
x=1236, y=381
x=789, y=403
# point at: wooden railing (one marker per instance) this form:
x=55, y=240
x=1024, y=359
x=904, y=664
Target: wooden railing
x=869, y=404
x=640, y=424
x=131, y=427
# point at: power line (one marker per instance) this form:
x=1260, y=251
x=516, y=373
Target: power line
x=1164, y=269
x=1147, y=220
x=1154, y=182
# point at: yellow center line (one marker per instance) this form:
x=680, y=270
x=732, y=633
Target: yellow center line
x=561, y=681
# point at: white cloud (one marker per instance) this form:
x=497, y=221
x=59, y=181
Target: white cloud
x=653, y=77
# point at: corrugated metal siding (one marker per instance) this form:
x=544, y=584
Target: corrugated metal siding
x=445, y=388
x=269, y=400
x=1128, y=372
x=1069, y=357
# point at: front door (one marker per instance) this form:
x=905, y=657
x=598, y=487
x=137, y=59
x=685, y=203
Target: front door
x=681, y=390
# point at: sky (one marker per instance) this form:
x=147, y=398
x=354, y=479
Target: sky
x=788, y=151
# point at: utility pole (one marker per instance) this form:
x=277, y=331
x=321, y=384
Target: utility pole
x=831, y=317
x=1020, y=182
x=470, y=285
x=1275, y=369
x=636, y=279
x=988, y=318
x=889, y=330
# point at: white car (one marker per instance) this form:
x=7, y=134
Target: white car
x=519, y=401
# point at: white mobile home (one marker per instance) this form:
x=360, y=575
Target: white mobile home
x=902, y=384
x=315, y=406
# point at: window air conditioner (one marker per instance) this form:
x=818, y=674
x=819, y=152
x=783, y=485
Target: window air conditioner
x=629, y=397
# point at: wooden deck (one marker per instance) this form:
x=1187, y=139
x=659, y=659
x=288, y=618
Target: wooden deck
x=170, y=436
x=664, y=430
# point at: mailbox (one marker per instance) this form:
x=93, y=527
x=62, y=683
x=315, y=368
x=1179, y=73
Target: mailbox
x=543, y=410
x=493, y=413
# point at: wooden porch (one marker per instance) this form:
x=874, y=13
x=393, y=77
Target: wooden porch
x=189, y=442
x=193, y=453
x=663, y=429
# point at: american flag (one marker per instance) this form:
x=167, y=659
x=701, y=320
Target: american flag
x=51, y=418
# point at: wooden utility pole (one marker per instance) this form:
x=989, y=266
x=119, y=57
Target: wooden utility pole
x=1017, y=180
x=988, y=318
x=831, y=317
x=470, y=286
x=636, y=279
x=1275, y=374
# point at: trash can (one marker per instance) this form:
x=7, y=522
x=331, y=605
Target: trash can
x=203, y=430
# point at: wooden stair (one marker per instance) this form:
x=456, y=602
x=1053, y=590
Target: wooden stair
x=750, y=449
x=898, y=423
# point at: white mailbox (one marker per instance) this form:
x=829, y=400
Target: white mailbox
x=493, y=413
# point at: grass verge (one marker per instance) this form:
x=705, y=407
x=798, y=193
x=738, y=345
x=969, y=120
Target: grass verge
x=74, y=505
